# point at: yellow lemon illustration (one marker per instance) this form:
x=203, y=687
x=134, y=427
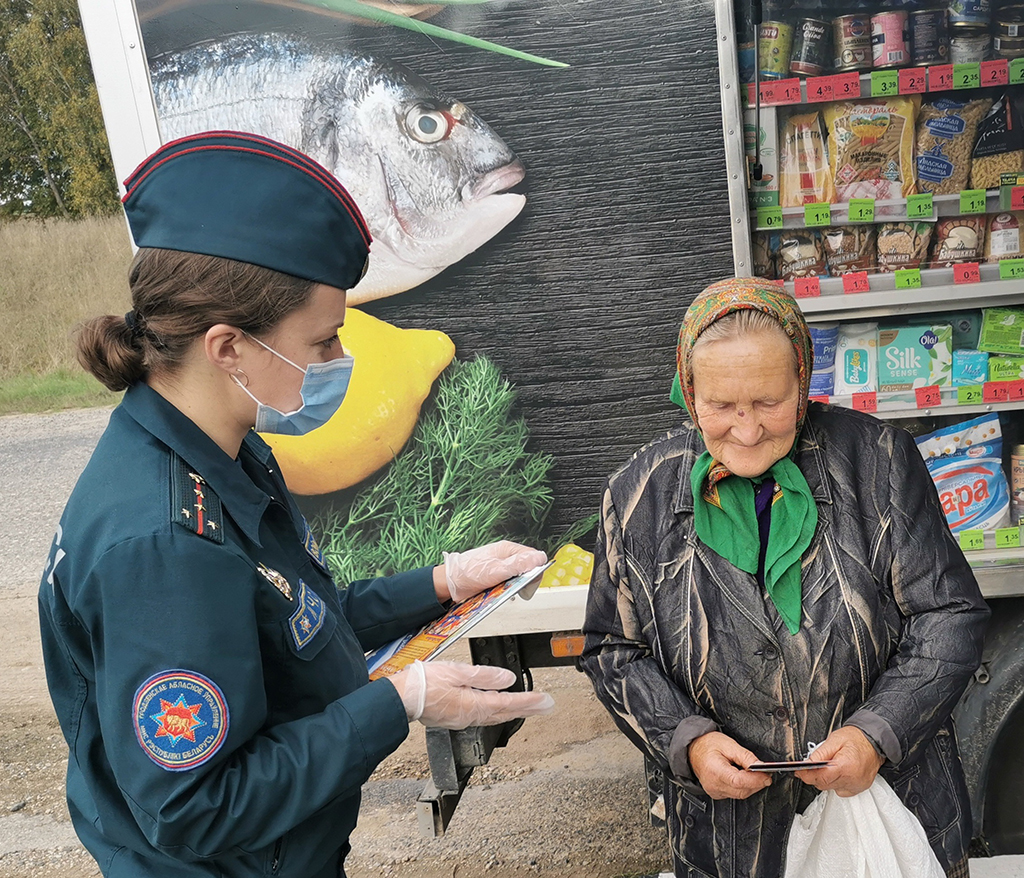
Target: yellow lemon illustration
x=572, y=566
x=393, y=373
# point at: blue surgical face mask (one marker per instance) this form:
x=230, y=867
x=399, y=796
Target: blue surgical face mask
x=324, y=386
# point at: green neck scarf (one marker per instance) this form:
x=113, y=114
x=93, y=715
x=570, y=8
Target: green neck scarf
x=725, y=520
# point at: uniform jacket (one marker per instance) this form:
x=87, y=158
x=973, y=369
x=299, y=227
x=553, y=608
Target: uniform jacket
x=208, y=676
x=679, y=642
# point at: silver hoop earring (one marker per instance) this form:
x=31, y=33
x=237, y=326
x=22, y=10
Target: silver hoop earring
x=246, y=377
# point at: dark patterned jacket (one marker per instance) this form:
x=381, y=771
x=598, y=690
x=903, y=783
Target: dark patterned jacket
x=679, y=642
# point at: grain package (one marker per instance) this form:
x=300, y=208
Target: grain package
x=849, y=248
x=903, y=245
x=800, y=254
x=958, y=239
x=946, y=129
x=1003, y=240
x=999, y=148
x=871, y=147
x=764, y=258
x=803, y=162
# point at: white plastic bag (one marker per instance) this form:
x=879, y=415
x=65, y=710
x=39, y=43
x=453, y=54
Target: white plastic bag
x=870, y=835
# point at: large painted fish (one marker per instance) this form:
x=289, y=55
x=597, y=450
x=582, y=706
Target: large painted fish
x=430, y=177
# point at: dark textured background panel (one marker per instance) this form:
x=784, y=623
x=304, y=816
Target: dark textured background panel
x=579, y=299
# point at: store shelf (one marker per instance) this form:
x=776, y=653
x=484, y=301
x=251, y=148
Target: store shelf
x=904, y=405
x=894, y=210
x=937, y=291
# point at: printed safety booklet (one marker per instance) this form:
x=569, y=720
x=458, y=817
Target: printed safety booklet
x=436, y=637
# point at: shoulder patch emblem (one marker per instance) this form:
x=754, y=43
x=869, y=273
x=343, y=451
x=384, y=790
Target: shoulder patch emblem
x=193, y=505
x=276, y=579
x=309, y=617
x=312, y=547
x=181, y=719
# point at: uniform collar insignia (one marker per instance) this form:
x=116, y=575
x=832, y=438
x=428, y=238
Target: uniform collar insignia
x=276, y=580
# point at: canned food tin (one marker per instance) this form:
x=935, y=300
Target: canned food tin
x=812, y=47
x=774, y=46
x=889, y=39
x=852, y=40
x=1009, y=47
x=969, y=46
x=970, y=12
x=929, y=38
x=1010, y=22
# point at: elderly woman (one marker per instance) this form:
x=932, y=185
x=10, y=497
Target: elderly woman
x=774, y=574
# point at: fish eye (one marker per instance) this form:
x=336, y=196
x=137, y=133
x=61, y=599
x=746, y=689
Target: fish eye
x=428, y=126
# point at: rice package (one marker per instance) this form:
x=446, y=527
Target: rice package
x=915, y=356
x=965, y=462
x=803, y=162
x=871, y=147
x=856, y=369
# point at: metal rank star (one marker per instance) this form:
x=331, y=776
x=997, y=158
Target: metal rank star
x=276, y=580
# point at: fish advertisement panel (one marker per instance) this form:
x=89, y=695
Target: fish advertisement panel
x=545, y=184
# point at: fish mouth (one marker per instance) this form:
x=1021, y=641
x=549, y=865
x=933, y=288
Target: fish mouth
x=495, y=182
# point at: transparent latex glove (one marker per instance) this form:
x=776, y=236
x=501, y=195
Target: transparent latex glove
x=470, y=572
x=451, y=695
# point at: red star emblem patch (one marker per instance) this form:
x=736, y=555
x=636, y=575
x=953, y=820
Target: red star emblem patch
x=177, y=720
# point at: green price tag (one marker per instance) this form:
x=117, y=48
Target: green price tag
x=819, y=214
x=769, y=217
x=1011, y=269
x=908, y=278
x=862, y=210
x=971, y=540
x=1017, y=71
x=970, y=394
x=886, y=83
x=972, y=201
x=966, y=76
x=1007, y=537
x=920, y=206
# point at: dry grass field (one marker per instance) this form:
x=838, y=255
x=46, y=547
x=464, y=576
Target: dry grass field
x=53, y=275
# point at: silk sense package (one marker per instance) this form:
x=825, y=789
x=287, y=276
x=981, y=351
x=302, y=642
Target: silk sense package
x=915, y=356
x=965, y=462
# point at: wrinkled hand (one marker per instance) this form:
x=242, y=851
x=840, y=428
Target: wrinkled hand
x=470, y=572
x=718, y=762
x=855, y=762
x=450, y=695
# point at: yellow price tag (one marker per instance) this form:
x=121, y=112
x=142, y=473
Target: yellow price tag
x=862, y=210
x=886, y=83
x=1007, y=537
x=819, y=214
x=1017, y=71
x=972, y=540
x=970, y=394
x=908, y=278
x=972, y=201
x=769, y=217
x=967, y=75
x=920, y=206
x=1011, y=269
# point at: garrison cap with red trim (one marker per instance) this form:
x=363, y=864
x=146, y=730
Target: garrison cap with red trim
x=249, y=198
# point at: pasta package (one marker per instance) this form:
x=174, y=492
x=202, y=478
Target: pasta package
x=999, y=148
x=803, y=162
x=903, y=245
x=871, y=147
x=946, y=129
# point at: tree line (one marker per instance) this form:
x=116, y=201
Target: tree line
x=54, y=158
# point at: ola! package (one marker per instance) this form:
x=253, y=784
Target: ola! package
x=965, y=462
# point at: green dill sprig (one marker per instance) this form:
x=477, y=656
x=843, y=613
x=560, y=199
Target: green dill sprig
x=464, y=479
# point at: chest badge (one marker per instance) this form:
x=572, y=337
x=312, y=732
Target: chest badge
x=309, y=617
x=276, y=580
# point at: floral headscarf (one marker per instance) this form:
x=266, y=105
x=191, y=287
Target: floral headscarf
x=742, y=294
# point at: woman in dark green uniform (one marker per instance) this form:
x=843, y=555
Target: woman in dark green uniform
x=208, y=676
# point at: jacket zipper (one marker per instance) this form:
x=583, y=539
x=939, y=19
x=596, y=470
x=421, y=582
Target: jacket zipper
x=275, y=860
